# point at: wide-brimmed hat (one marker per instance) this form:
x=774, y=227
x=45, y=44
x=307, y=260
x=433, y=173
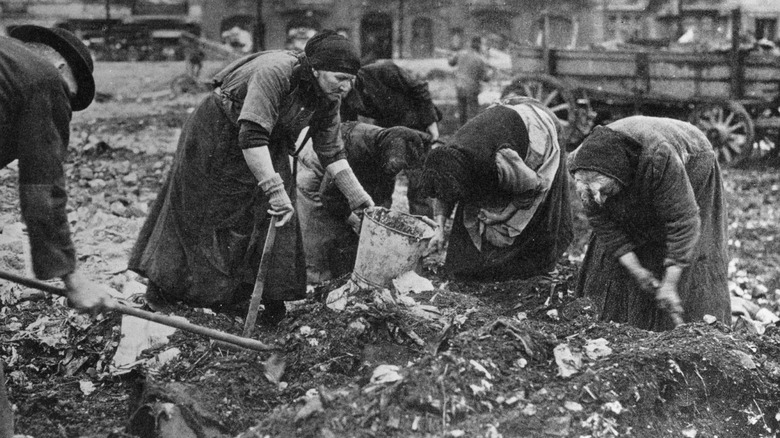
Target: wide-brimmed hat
x=72, y=49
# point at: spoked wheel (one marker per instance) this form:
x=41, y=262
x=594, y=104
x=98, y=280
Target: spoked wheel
x=729, y=128
x=551, y=92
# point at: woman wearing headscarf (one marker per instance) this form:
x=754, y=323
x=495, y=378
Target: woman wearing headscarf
x=330, y=229
x=653, y=194
x=506, y=172
x=203, y=239
x=391, y=96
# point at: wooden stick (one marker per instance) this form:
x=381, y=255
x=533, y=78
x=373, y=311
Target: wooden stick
x=262, y=271
x=149, y=316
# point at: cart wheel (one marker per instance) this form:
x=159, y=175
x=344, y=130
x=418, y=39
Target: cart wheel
x=728, y=127
x=554, y=94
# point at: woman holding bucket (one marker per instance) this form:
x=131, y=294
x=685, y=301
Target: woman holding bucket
x=203, y=239
x=328, y=225
x=505, y=170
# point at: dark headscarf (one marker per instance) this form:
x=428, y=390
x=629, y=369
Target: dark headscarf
x=444, y=175
x=609, y=153
x=332, y=52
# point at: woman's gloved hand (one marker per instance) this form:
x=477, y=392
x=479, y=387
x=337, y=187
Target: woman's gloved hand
x=348, y=184
x=280, y=203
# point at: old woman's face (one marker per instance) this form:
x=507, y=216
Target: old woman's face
x=595, y=188
x=335, y=85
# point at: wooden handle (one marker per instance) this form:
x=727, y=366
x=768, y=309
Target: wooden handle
x=149, y=316
x=257, y=292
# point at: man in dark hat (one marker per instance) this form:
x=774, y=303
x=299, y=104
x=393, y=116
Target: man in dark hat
x=45, y=74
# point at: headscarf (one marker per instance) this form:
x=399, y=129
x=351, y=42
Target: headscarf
x=400, y=148
x=608, y=152
x=330, y=51
x=443, y=175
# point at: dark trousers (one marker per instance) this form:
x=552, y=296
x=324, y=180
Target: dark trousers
x=468, y=106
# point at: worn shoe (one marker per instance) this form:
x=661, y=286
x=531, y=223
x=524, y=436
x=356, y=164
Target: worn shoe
x=274, y=313
x=155, y=299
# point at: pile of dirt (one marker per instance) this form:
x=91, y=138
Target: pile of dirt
x=516, y=358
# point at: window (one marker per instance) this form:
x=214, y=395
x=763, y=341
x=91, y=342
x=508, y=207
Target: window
x=766, y=28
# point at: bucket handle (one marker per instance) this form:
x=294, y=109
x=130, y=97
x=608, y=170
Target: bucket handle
x=428, y=221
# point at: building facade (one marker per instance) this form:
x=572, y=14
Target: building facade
x=403, y=28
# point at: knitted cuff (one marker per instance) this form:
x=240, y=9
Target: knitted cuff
x=271, y=183
x=351, y=188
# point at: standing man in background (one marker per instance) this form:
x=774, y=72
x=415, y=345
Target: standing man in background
x=45, y=75
x=470, y=71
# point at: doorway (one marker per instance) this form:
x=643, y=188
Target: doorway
x=376, y=37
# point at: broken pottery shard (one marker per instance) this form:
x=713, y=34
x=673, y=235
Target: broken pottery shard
x=86, y=387
x=137, y=336
x=745, y=360
x=596, y=348
x=557, y=426
x=312, y=406
x=412, y=282
x=274, y=368
x=337, y=299
x=386, y=374
x=568, y=363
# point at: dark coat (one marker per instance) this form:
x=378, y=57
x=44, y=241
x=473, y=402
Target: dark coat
x=330, y=244
x=391, y=96
x=204, y=235
x=35, y=115
x=671, y=211
x=537, y=248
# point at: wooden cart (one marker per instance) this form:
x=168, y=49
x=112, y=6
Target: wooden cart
x=733, y=96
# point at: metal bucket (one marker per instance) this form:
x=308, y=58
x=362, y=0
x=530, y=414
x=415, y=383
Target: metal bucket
x=391, y=243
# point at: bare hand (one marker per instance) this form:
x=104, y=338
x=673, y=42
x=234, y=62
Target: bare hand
x=355, y=222
x=87, y=296
x=668, y=298
x=490, y=218
x=437, y=241
x=646, y=279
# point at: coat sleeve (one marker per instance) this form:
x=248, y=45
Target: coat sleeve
x=674, y=200
x=359, y=143
x=612, y=236
x=326, y=133
x=44, y=128
x=404, y=82
x=267, y=87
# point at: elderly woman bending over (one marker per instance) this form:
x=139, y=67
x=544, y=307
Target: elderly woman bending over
x=653, y=194
x=505, y=171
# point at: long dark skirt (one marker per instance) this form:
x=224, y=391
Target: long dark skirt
x=203, y=238
x=703, y=286
x=534, y=252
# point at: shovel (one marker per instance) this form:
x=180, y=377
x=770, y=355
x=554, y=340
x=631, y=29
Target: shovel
x=150, y=316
